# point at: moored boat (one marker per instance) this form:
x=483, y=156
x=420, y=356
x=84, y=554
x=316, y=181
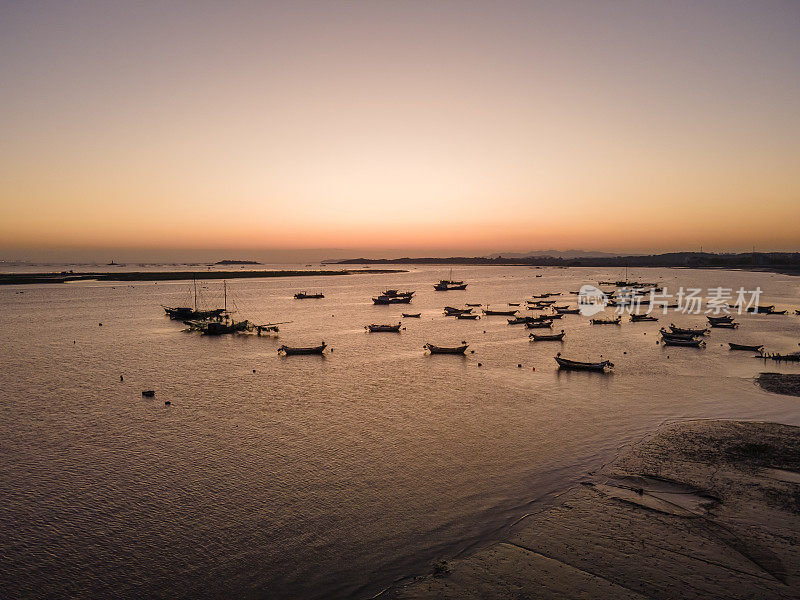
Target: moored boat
x=725, y=324
x=383, y=299
x=674, y=341
x=445, y=285
x=606, y=321
x=467, y=317
x=499, y=313
x=412, y=315
x=637, y=318
x=290, y=350
x=450, y=311
x=722, y=319
x=539, y=324
x=305, y=296
x=575, y=365
x=373, y=328
x=547, y=337
x=751, y=348
x=696, y=331
x=446, y=350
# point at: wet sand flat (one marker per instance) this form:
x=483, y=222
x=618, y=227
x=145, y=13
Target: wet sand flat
x=702, y=509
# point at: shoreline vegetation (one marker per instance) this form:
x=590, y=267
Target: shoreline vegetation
x=31, y=278
x=783, y=262
x=700, y=509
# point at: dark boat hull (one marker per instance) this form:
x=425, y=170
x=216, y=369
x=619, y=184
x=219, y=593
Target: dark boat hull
x=289, y=351
x=443, y=350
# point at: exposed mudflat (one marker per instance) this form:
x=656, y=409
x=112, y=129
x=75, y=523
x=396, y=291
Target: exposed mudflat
x=702, y=509
x=780, y=383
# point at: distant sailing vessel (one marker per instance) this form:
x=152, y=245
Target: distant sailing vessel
x=186, y=313
x=446, y=285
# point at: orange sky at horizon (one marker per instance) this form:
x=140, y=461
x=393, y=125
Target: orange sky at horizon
x=602, y=126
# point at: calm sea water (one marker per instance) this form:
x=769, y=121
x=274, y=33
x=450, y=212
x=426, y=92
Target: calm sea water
x=323, y=477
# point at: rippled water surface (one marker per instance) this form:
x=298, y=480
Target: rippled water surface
x=323, y=477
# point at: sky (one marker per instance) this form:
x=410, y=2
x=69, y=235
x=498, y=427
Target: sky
x=418, y=128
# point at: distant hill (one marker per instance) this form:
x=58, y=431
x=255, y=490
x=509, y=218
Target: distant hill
x=229, y=261
x=787, y=262
x=555, y=254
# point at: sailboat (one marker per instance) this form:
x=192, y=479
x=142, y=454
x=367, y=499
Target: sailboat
x=186, y=313
x=446, y=285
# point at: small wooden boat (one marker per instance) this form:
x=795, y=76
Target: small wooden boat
x=574, y=365
x=539, y=324
x=673, y=341
x=768, y=309
x=757, y=348
x=547, y=337
x=412, y=315
x=555, y=315
x=680, y=330
x=373, y=328
x=445, y=285
x=566, y=310
x=722, y=319
x=469, y=317
x=304, y=295
x=725, y=325
x=392, y=300
x=606, y=321
x=397, y=294
x=468, y=304
x=445, y=350
x=678, y=336
x=290, y=351
x=499, y=313
x=222, y=328
x=518, y=320
x=638, y=318
x=513, y=303
x=450, y=311
x=797, y=312
x=148, y=393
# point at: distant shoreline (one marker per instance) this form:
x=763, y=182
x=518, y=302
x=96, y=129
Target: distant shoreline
x=33, y=278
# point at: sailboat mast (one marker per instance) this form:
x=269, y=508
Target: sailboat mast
x=225, y=289
x=194, y=280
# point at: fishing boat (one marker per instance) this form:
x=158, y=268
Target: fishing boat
x=679, y=330
x=567, y=310
x=557, y=315
x=412, y=315
x=638, y=318
x=185, y=313
x=446, y=350
x=797, y=312
x=539, y=324
x=305, y=296
x=290, y=350
x=382, y=299
x=757, y=348
x=761, y=309
x=575, y=365
x=373, y=328
x=499, y=313
x=517, y=320
x=675, y=341
x=678, y=336
x=447, y=286
x=547, y=337
x=397, y=294
x=606, y=321
x=222, y=328
x=467, y=317
x=725, y=325
x=449, y=311
x=468, y=304
x=513, y=303
x=722, y=319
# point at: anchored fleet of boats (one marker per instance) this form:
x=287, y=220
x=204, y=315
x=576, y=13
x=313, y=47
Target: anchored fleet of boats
x=218, y=321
